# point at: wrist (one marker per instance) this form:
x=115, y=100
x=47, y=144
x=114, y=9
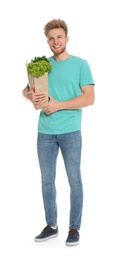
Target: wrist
x=61, y=105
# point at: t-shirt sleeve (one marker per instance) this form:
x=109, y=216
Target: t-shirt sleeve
x=86, y=77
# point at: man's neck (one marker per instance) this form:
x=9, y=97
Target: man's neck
x=62, y=56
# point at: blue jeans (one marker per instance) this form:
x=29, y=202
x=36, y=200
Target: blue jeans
x=70, y=146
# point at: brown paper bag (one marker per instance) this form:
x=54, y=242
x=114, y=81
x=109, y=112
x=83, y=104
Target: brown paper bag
x=41, y=84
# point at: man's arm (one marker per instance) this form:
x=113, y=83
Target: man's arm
x=86, y=99
x=36, y=98
x=27, y=92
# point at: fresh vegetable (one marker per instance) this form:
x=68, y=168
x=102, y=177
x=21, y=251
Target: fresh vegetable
x=38, y=66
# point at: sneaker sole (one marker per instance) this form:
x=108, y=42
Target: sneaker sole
x=45, y=238
x=72, y=243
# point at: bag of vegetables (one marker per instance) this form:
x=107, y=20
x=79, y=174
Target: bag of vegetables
x=37, y=71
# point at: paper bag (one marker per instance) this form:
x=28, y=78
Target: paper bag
x=41, y=84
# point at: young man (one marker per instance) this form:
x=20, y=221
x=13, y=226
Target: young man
x=71, y=88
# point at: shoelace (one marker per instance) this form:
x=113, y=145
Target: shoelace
x=44, y=229
x=72, y=232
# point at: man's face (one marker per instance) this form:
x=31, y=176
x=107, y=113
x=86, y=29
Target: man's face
x=57, y=40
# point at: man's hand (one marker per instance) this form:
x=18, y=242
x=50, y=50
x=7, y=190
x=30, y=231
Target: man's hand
x=52, y=106
x=36, y=98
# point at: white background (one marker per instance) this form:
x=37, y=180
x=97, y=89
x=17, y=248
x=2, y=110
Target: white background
x=94, y=36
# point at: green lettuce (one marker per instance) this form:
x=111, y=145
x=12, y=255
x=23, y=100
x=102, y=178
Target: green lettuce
x=38, y=66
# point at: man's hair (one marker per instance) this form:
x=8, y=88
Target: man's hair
x=55, y=23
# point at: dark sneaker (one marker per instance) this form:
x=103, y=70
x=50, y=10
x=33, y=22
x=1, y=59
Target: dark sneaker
x=46, y=234
x=73, y=238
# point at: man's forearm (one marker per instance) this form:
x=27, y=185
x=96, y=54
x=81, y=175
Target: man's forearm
x=79, y=102
x=25, y=92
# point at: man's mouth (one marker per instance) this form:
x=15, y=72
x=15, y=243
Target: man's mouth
x=56, y=47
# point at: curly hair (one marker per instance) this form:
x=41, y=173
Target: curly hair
x=55, y=23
